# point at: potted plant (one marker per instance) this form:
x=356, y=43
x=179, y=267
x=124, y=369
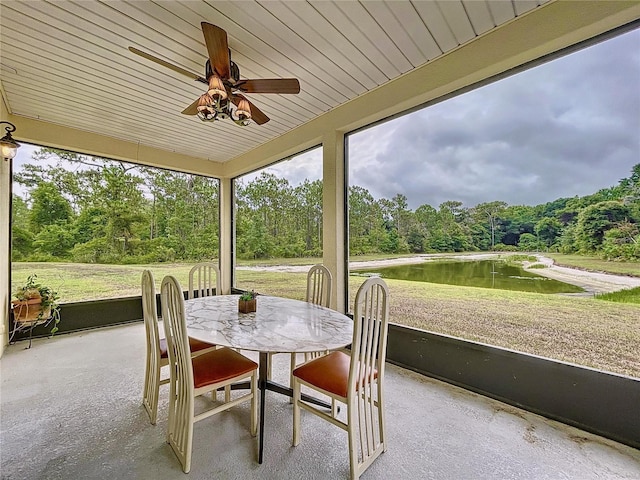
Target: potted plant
x=36, y=304
x=247, y=302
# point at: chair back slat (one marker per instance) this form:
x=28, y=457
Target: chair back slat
x=368, y=355
x=319, y=285
x=204, y=280
x=153, y=364
x=181, y=368
x=150, y=313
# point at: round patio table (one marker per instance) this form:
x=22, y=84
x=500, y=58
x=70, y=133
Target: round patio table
x=279, y=325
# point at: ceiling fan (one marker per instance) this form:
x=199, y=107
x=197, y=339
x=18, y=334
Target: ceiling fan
x=224, y=97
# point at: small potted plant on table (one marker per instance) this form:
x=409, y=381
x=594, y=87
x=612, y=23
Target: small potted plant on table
x=35, y=304
x=247, y=302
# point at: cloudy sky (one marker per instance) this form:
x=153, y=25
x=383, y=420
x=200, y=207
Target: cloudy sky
x=565, y=128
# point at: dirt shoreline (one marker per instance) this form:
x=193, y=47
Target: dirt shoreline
x=591, y=282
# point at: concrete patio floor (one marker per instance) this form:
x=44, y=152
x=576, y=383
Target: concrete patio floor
x=71, y=409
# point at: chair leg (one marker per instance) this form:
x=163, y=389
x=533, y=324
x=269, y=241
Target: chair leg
x=227, y=393
x=353, y=424
x=381, y=417
x=181, y=418
x=187, y=438
x=293, y=366
x=296, y=413
x=254, y=404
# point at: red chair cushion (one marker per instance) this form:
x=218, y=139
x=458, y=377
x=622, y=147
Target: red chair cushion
x=194, y=345
x=330, y=373
x=219, y=365
x=197, y=345
x=164, y=353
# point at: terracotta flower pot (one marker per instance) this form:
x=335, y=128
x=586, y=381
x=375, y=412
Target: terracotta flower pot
x=29, y=310
x=247, y=306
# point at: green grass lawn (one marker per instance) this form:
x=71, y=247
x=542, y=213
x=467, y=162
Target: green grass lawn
x=595, y=264
x=586, y=331
x=628, y=295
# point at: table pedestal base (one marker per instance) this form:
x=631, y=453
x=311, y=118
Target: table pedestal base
x=265, y=384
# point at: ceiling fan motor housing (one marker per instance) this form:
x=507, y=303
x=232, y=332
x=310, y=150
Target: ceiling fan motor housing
x=234, y=72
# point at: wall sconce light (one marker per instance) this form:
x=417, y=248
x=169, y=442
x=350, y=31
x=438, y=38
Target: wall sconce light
x=8, y=145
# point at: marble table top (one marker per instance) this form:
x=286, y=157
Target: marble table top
x=279, y=324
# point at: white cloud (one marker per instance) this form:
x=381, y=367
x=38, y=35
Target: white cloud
x=569, y=127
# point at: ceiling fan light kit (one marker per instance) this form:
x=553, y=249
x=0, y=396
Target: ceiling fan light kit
x=243, y=113
x=212, y=108
x=224, y=98
x=206, y=110
x=216, y=87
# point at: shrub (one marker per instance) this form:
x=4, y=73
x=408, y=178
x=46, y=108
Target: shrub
x=528, y=242
x=41, y=257
x=522, y=258
x=501, y=247
x=92, y=251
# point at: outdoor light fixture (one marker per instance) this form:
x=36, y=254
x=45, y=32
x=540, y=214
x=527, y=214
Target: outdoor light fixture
x=216, y=105
x=7, y=143
x=206, y=112
x=216, y=88
x=242, y=113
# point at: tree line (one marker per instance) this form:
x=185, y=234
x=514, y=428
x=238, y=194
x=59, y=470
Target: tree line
x=106, y=211
x=606, y=223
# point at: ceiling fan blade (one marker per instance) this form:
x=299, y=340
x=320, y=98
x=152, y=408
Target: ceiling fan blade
x=270, y=85
x=218, y=48
x=168, y=65
x=256, y=114
x=191, y=109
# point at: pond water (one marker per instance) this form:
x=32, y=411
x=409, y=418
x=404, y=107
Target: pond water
x=480, y=273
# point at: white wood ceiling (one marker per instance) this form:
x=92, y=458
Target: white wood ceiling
x=67, y=62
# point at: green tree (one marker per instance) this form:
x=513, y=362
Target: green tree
x=622, y=242
x=89, y=224
x=516, y=220
x=547, y=230
x=21, y=243
x=55, y=240
x=390, y=244
x=49, y=207
x=366, y=222
x=491, y=212
x=595, y=220
x=454, y=234
x=19, y=212
x=308, y=215
x=528, y=242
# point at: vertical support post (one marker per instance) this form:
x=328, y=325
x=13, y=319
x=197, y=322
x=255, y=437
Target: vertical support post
x=227, y=235
x=334, y=234
x=5, y=241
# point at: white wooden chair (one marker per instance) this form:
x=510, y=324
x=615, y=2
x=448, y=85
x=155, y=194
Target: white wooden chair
x=203, y=278
x=195, y=376
x=356, y=380
x=157, y=355
x=319, y=283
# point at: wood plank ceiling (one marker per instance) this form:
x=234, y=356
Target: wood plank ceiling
x=67, y=62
